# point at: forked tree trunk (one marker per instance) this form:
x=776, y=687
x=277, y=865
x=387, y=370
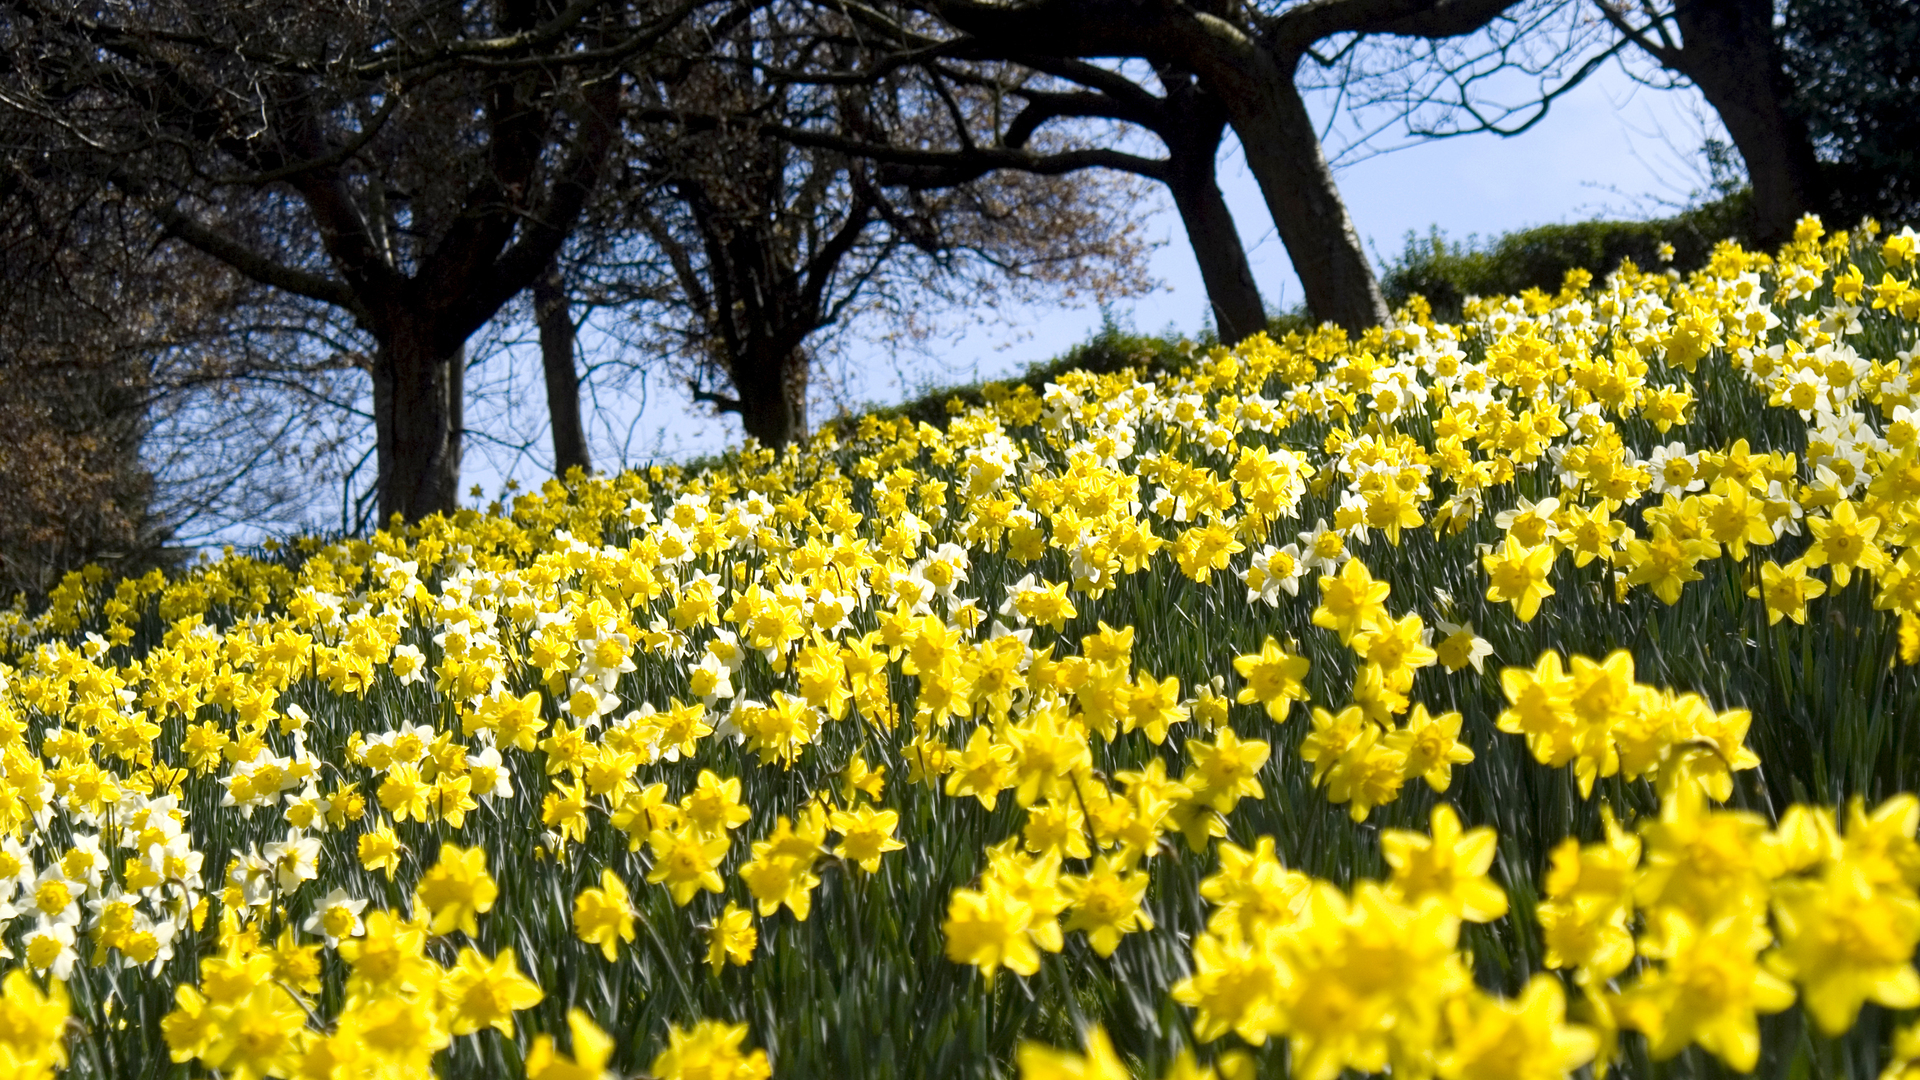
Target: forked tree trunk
x=419, y=386
x=1254, y=82
x=1238, y=312
x=1283, y=152
x=1192, y=151
x=555, y=319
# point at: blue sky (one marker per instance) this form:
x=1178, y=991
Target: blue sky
x=1611, y=147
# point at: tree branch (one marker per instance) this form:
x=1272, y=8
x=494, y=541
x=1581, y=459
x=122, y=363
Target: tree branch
x=189, y=230
x=719, y=401
x=541, y=238
x=1670, y=58
x=1290, y=34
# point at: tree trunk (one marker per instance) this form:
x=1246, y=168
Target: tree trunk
x=555, y=319
x=1192, y=149
x=419, y=384
x=1730, y=52
x=1254, y=81
x=772, y=384
x=1238, y=311
x=1284, y=153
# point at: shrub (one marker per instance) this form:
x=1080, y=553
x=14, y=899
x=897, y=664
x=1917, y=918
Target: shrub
x=1447, y=272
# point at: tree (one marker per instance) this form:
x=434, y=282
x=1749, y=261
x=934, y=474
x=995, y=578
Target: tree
x=768, y=232
x=73, y=489
x=1190, y=121
x=1246, y=58
x=1187, y=119
x=150, y=396
x=1817, y=95
x=553, y=315
x=413, y=165
x=1194, y=121
x=1729, y=50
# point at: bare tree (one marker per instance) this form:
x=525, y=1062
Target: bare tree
x=1816, y=95
x=1247, y=57
x=1188, y=120
x=411, y=164
x=774, y=234
x=1502, y=79
x=72, y=486
x=553, y=315
x=1212, y=59
x=1730, y=50
x=132, y=371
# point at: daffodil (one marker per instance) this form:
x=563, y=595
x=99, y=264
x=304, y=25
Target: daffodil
x=1524, y=1039
x=1351, y=601
x=732, y=938
x=1517, y=575
x=1106, y=903
x=1845, y=541
x=486, y=993
x=1448, y=865
x=604, y=916
x=1707, y=988
x=1273, y=677
x=988, y=929
x=592, y=1048
x=1786, y=589
x=1847, y=942
x=866, y=834
x=686, y=860
x=1430, y=747
x=709, y=1049
x=458, y=888
x=1100, y=1062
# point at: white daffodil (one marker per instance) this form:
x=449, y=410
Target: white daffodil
x=57, y=898
x=49, y=948
x=491, y=777
x=295, y=860
x=336, y=918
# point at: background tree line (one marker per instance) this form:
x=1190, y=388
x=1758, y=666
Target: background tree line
x=237, y=233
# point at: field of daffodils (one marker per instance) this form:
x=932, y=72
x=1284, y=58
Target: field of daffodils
x=1491, y=701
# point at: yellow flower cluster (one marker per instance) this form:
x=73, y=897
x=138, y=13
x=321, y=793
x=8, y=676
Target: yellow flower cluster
x=1041, y=656
x=32, y=1028
x=1598, y=718
x=1362, y=753
x=1372, y=978
x=1730, y=919
x=1707, y=918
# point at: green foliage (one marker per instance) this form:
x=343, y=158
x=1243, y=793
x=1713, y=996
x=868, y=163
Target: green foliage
x=1855, y=70
x=1447, y=272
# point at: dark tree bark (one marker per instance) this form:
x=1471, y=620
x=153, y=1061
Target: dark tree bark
x=761, y=298
x=1248, y=61
x=1193, y=146
x=1254, y=84
x=506, y=128
x=508, y=232
x=772, y=384
x=1729, y=50
x=1283, y=152
x=1189, y=121
x=554, y=317
x=418, y=392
